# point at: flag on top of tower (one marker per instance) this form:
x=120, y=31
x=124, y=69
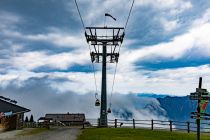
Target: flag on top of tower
x=106, y=14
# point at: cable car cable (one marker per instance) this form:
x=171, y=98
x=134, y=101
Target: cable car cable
x=110, y=101
x=93, y=68
x=80, y=14
x=119, y=52
x=96, y=94
x=129, y=13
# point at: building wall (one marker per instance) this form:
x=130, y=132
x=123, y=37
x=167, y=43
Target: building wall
x=20, y=120
x=9, y=123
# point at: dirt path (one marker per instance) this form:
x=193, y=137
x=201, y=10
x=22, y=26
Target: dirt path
x=9, y=134
x=57, y=134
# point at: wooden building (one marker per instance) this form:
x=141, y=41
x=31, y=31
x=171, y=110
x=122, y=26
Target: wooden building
x=11, y=115
x=67, y=119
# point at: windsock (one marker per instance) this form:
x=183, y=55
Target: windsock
x=106, y=14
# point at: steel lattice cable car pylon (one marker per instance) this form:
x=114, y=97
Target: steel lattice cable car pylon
x=104, y=54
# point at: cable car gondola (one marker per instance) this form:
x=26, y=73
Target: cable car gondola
x=97, y=103
x=109, y=110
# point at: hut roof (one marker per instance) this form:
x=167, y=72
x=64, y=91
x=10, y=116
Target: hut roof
x=67, y=117
x=8, y=107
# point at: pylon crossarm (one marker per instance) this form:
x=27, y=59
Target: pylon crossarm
x=121, y=28
x=96, y=37
x=97, y=57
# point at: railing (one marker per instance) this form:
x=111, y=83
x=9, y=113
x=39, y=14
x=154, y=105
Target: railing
x=188, y=126
x=40, y=124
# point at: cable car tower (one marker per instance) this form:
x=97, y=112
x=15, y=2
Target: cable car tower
x=105, y=51
x=106, y=43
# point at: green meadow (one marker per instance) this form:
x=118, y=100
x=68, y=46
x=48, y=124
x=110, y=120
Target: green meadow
x=136, y=134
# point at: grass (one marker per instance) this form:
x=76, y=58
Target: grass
x=33, y=131
x=135, y=134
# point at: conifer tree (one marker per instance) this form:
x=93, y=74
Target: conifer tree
x=32, y=118
x=26, y=119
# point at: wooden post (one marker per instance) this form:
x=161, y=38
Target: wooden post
x=199, y=110
x=83, y=124
x=115, y=123
x=17, y=121
x=98, y=122
x=152, y=124
x=134, y=124
x=171, y=126
x=188, y=127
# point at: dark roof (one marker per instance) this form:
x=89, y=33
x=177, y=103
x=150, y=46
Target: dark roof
x=7, y=107
x=66, y=117
x=45, y=119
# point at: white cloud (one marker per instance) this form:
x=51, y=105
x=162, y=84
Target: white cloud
x=194, y=39
x=9, y=20
x=33, y=60
x=52, y=102
x=204, y=19
x=179, y=5
x=57, y=38
x=173, y=81
x=95, y=14
x=179, y=82
x=169, y=25
x=18, y=77
x=81, y=83
x=167, y=11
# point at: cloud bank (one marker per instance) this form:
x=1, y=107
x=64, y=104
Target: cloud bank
x=45, y=99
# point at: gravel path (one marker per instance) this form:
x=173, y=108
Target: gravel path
x=57, y=134
x=9, y=134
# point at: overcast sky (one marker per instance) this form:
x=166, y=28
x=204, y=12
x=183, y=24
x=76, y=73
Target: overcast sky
x=165, y=50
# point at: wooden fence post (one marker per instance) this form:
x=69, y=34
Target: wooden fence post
x=188, y=127
x=152, y=124
x=83, y=124
x=170, y=126
x=115, y=123
x=134, y=124
x=98, y=122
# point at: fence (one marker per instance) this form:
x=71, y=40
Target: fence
x=134, y=123
x=155, y=124
x=40, y=124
